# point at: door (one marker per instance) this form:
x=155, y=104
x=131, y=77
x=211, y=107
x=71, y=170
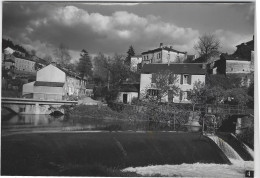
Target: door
x=124, y=98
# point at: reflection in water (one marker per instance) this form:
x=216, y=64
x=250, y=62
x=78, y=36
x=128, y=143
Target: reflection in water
x=29, y=123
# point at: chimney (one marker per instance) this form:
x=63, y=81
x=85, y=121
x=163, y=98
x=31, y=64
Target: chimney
x=171, y=47
x=161, y=45
x=204, y=66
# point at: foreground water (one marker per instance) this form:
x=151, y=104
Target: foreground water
x=23, y=124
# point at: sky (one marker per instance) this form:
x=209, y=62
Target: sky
x=112, y=27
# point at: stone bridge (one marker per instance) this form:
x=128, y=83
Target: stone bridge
x=34, y=106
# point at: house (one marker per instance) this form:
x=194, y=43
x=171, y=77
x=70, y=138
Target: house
x=231, y=65
x=53, y=83
x=23, y=64
x=164, y=55
x=128, y=92
x=187, y=75
x=8, y=61
x=9, y=50
x=135, y=60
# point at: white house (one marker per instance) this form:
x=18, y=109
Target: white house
x=9, y=50
x=128, y=92
x=163, y=54
x=52, y=83
x=187, y=73
x=135, y=60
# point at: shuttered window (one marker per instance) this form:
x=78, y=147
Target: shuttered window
x=153, y=78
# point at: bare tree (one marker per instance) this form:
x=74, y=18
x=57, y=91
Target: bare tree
x=207, y=46
x=48, y=58
x=62, y=55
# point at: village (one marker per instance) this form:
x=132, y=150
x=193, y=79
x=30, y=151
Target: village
x=118, y=90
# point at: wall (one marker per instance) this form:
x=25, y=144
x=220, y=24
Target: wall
x=24, y=65
x=28, y=88
x=130, y=96
x=233, y=66
x=72, y=86
x=145, y=83
x=134, y=62
x=51, y=73
x=49, y=93
x=174, y=57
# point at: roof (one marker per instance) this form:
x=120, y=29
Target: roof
x=232, y=57
x=179, y=68
x=129, y=88
x=49, y=84
x=163, y=48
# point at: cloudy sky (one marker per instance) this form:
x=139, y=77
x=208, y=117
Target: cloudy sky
x=111, y=28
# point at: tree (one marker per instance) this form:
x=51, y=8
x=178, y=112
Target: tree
x=100, y=72
x=165, y=83
x=48, y=58
x=85, y=65
x=207, y=46
x=215, y=95
x=130, y=53
x=197, y=94
x=62, y=55
x=238, y=96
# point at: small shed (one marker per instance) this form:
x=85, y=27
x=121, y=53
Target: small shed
x=128, y=92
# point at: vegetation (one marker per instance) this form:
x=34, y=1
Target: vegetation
x=164, y=82
x=62, y=55
x=130, y=53
x=84, y=66
x=207, y=46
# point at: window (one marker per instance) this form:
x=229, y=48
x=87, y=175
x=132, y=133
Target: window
x=185, y=79
x=184, y=95
x=153, y=92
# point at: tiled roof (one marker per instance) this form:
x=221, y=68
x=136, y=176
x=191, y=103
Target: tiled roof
x=163, y=48
x=130, y=88
x=180, y=68
x=49, y=84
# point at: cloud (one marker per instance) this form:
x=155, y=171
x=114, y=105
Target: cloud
x=229, y=40
x=44, y=26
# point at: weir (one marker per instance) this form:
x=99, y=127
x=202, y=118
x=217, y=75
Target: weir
x=226, y=148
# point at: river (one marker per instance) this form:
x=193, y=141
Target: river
x=62, y=146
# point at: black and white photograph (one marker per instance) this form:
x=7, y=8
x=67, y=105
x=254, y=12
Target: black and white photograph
x=129, y=89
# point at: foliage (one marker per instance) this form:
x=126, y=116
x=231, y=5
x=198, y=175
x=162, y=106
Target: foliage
x=100, y=72
x=118, y=71
x=62, y=55
x=37, y=66
x=84, y=66
x=238, y=96
x=225, y=82
x=164, y=81
x=197, y=94
x=48, y=59
x=207, y=46
x=111, y=94
x=9, y=43
x=215, y=95
x=130, y=53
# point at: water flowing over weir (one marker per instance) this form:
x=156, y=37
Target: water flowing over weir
x=226, y=148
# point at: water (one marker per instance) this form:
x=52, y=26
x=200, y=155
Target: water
x=226, y=148
x=15, y=124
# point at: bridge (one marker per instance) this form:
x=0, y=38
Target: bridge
x=34, y=106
